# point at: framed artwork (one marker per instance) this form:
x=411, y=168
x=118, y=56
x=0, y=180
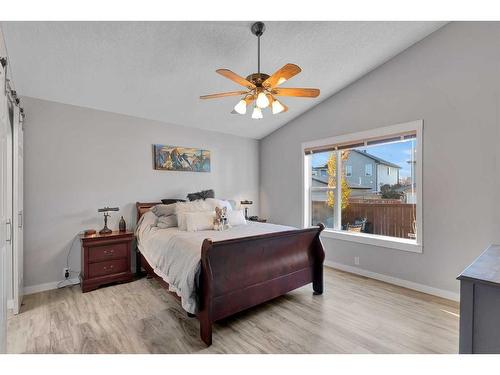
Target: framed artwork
x=176, y=158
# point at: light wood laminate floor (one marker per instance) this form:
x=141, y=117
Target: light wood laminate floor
x=354, y=315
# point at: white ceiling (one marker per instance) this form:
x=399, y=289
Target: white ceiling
x=157, y=70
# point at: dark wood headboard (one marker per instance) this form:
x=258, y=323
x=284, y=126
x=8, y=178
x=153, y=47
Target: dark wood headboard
x=143, y=207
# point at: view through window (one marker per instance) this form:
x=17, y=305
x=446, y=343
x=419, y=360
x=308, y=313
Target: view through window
x=377, y=187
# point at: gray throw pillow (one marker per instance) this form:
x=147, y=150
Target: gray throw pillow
x=204, y=194
x=163, y=209
x=167, y=221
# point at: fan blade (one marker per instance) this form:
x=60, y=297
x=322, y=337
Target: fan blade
x=236, y=78
x=305, y=93
x=223, y=94
x=282, y=75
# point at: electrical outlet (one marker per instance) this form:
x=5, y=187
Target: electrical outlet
x=66, y=272
x=356, y=261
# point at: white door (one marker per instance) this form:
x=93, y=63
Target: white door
x=18, y=214
x=5, y=207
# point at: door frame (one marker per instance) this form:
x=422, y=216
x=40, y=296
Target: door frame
x=17, y=209
x=4, y=209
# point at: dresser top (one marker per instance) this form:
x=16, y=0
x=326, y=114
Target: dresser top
x=485, y=268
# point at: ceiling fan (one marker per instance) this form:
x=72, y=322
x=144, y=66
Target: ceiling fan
x=263, y=88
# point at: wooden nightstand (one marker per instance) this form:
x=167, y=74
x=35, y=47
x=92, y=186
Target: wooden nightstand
x=105, y=259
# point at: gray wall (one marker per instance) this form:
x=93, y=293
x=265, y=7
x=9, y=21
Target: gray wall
x=451, y=80
x=78, y=160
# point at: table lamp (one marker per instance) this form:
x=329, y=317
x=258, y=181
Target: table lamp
x=106, y=230
x=246, y=203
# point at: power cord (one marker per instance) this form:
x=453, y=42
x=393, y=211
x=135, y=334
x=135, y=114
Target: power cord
x=68, y=271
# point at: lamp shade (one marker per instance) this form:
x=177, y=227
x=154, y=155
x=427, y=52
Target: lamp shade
x=257, y=113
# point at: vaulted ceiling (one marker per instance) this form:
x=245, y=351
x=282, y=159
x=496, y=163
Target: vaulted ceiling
x=158, y=70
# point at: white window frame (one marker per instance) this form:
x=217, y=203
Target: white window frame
x=404, y=244
x=370, y=173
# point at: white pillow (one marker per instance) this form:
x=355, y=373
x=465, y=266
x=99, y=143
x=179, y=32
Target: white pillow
x=202, y=220
x=213, y=202
x=181, y=208
x=236, y=217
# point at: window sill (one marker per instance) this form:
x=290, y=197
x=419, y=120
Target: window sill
x=375, y=240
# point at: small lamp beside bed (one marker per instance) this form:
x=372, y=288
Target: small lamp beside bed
x=246, y=203
x=106, y=210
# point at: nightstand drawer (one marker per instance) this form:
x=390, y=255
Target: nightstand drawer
x=100, y=253
x=108, y=267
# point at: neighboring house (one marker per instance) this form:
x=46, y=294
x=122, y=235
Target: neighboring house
x=363, y=171
x=322, y=182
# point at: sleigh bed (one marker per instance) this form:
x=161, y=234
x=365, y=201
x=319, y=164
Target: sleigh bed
x=238, y=273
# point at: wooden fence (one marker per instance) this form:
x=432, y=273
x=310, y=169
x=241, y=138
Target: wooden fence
x=387, y=219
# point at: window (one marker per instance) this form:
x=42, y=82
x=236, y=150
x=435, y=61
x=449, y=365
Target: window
x=348, y=170
x=378, y=205
x=368, y=170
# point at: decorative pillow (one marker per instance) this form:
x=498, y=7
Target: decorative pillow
x=204, y=194
x=167, y=221
x=219, y=203
x=202, y=220
x=171, y=201
x=236, y=217
x=163, y=209
x=182, y=208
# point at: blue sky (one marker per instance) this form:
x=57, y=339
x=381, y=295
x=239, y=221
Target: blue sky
x=397, y=153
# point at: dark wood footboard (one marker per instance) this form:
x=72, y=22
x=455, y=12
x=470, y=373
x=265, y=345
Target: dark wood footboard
x=240, y=273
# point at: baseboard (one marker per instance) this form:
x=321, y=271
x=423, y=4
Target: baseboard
x=396, y=281
x=48, y=286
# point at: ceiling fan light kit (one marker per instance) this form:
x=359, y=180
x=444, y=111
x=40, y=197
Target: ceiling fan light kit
x=241, y=107
x=257, y=113
x=262, y=88
x=277, y=107
x=262, y=100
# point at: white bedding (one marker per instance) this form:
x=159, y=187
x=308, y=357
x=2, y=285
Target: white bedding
x=175, y=255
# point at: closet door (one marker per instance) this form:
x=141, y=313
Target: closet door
x=18, y=214
x=5, y=208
